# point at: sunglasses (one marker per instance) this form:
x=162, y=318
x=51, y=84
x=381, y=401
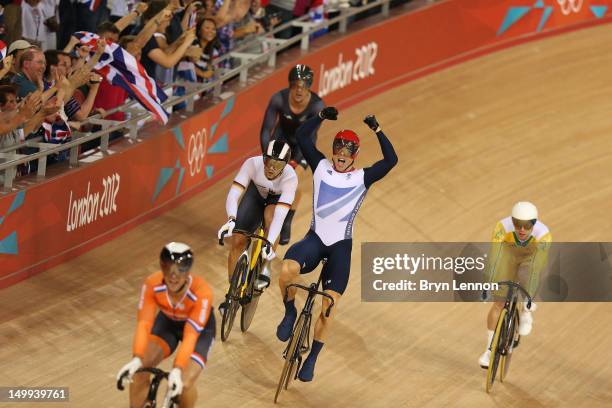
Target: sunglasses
x=274, y=164
x=340, y=144
x=525, y=224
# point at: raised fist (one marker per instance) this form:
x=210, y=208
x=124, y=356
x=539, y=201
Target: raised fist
x=329, y=113
x=371, y=121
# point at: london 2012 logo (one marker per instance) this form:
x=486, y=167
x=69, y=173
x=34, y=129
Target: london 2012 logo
x=196, y=149
x=570, y=6
x=546, y=8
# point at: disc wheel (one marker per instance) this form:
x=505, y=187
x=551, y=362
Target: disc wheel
x=248, y=310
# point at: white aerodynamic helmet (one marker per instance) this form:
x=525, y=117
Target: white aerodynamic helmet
x=524, y=211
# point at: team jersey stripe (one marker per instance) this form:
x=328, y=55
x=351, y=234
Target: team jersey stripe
x=195, y=325
x=237, y=184
x=198, y=359
x=191, y=296
x=159, y=288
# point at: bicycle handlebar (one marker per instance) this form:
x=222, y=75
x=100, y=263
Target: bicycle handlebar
x=316, y=292
x=246, y=234
x=158, y=374
x=517, y=286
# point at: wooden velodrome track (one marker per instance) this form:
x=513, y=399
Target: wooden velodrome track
x=532, y=122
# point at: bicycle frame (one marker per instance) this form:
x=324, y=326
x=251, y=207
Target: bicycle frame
x=300, y=344
x=512, y=295
x=252, y=254
x=313, y=290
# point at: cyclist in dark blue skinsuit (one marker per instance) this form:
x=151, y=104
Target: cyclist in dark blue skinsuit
x=287, y=110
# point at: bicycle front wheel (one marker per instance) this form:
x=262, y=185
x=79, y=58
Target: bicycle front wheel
x=510, y=343
x=229, y=315
x=291, y=357
x=496, y=346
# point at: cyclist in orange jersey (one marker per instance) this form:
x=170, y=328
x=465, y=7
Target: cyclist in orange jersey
x=185, y=316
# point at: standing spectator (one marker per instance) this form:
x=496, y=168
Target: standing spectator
x=262, y=16
x=284, y=10
x=157, y=52
x=120, y=8
x=86, y=19
x=2, y=25
x=67, y=18
x=39, y=23
x=12, y=20
x=211, y=49
x=228, y=14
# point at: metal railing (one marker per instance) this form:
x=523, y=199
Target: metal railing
x=9, y=160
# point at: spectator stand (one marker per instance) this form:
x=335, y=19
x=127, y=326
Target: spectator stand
x=271, y=47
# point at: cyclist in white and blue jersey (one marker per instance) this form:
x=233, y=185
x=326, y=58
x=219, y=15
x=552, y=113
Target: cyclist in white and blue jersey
x=338, y=192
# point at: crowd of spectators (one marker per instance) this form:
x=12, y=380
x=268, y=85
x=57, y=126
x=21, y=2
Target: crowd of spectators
x=48, y=85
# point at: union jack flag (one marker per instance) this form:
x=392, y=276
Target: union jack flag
x=92, y=4
x=57, y=131
x=120, y=68
x=2, y=50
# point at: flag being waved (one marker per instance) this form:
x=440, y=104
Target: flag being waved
x=120, y=68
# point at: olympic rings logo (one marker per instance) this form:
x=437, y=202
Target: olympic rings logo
x=570, y=6
x=195, y=151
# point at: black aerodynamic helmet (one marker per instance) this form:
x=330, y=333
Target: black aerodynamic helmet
x=177, y=253
x=278, y=149
x=301, y=72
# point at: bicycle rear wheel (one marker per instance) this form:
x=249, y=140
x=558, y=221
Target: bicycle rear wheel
x=291, y=357
x=496, y=345
x=510, y=343
x=248, y=310
x=229, y=315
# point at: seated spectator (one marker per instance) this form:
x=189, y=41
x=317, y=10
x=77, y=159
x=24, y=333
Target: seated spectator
x=12, y=134
x=58, y=66
x=31, y=69
x=15, y=50
x=16, y=121
x=7, y=66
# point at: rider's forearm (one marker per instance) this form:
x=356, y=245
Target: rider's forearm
x=231, y=204
x=280, y=212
